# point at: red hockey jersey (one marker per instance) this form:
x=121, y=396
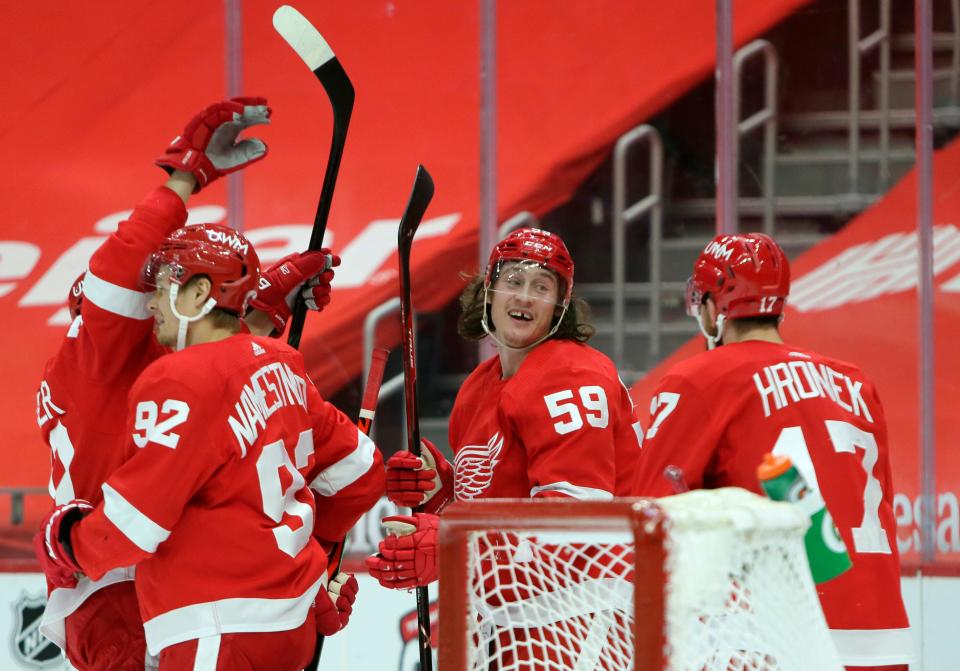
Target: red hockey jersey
x=216, y=506
x=82, y=401
x=561, y=426
x=716, y=414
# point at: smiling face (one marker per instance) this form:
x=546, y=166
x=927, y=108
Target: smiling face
x=523, y=302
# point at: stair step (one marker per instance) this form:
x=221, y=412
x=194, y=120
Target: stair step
x=786, y=240
x=907, y=42
x=844, y=204
x=830, y=156
x=595, y=291
x=821, y=171
x=635, y=326
x=839, y=120
x=902, y=88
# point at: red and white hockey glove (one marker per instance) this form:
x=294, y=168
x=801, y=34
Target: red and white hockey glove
x=208, y=147
x=308, y=274
x=335, y=604
x=52, y=543
x=408, y=555
x=420, y=481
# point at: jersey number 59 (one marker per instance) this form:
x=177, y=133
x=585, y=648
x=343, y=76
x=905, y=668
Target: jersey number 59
x=563, y=404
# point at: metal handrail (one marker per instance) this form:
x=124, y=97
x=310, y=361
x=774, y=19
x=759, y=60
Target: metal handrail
x=370, y=323
x=857, y=47
x=519, y=220
x=765, y=117
x=622, y=215
x=955, y=63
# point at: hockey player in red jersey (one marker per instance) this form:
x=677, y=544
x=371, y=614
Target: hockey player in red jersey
x=714, y=416
x=546, y=417
x=82, y=400
x=229, y=443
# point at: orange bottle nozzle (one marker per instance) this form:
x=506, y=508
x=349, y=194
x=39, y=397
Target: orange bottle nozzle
x=773, y=465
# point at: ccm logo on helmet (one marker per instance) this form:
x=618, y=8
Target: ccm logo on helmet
x=231, y=240
x=718, y=251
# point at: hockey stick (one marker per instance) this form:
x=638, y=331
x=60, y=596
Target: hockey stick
x=368, y=408
x=419, y=199
x=309, y=44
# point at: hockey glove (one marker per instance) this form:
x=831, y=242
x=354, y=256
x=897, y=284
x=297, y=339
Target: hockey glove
x=408, y=556
x=420, y=481
x=52, y=543
x=208, y=146
x=308, y=274
x=335, y=604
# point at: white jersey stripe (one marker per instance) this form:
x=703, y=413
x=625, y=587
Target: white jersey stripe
x=140, y=529
x=115, y=299
x=228, y=616
x=346, y=471
x=208, y=650
x=574, y=491
x=874, y=647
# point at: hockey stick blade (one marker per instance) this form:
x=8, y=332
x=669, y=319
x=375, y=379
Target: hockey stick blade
x=310, y=46
x=420, y=198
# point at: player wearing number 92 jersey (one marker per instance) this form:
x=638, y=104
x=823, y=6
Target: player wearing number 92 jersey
x=717, y=413
x=237, y=458
x=236, y=469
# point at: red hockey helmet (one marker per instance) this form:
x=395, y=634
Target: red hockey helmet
x=746, y=276
x=538, y=246
x=75, y=297
x=216, y=251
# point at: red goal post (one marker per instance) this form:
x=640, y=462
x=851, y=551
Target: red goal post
x=704, y=580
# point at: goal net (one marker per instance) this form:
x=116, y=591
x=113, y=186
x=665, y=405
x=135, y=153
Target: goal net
x=711, y=580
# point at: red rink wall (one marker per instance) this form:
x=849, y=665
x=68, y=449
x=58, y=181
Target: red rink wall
x=96, y=90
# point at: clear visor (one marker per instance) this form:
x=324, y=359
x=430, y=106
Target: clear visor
x=157, y=270
x=526, y=279
x=694, y=298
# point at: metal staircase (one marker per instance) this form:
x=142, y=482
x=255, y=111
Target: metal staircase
x=805, y=169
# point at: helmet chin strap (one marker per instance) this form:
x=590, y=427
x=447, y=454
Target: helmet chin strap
x=713, y=341
x=489, y=331
x=184, y=320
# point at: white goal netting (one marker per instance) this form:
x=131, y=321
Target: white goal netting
x=556, y=591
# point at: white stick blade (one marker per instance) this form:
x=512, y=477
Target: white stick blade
x=302, y=36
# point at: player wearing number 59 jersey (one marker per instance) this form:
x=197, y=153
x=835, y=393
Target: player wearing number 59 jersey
x=560, y=426
x=236, y=467
x=546, y=417
x=716, y=414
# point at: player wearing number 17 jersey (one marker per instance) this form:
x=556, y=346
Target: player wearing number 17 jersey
x=237, y=466
x=717, y=413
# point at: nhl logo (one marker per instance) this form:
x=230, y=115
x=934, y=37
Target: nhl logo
x=30, y=647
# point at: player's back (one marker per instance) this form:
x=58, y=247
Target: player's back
x=82, y=399
x=716, y=415
x=227, y=454
x=81, y=411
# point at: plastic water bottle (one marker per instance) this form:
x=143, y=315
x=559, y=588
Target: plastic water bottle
x=826, y=551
